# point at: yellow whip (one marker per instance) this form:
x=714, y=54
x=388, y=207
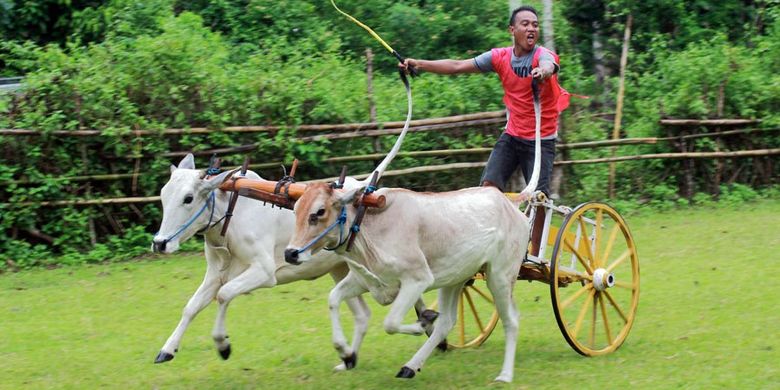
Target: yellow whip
x=377, y=174
x=376, y=36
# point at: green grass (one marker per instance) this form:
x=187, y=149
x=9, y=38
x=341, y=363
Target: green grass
x=707, y=318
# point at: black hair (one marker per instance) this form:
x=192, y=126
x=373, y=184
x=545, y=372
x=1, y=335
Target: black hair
x=520, y=9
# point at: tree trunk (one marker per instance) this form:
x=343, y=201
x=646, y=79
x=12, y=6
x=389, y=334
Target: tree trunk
x=598, y=57
x=548, y=32
x=513, y=4
x=619, y=106
x=549, y=41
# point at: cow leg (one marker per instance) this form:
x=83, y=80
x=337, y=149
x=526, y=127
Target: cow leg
x=254, y=277
x=500, y=283
x=347, y=288
x=448, y=303
x=419, y=309
x=408, y=294
x=199, y=300
x=361, y=314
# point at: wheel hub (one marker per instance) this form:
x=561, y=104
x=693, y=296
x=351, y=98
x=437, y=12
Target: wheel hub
x=603, y=280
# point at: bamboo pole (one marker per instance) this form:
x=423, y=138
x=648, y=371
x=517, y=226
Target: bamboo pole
x=346, y=127
x=691, y=155
x=350, y=135
x=709, y=122
x=619, y=108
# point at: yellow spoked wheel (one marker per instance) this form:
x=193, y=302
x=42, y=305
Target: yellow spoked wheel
x=477, y=315
x=594, y=279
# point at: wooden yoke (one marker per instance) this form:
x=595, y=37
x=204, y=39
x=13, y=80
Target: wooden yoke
x=288, y=192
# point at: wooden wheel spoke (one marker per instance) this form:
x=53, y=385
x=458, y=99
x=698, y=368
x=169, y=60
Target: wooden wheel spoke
x=606, y=321
x=487, y=297
x=593, y=322
x=619, y=260
x=625, y=285
x=583, y=312
x=473, y=310
x=585, y=238
x=615, y=305
x=576, y=295
x=610, y=244
x=597, y=237
x=462, y=317
x=579, y=256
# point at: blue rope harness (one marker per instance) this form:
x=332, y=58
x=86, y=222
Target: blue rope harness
x=209, y=202
x=341, y=221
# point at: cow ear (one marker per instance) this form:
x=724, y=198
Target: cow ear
x=348, y=196
x=173, y=168
x=188, y=162
x=216, y=181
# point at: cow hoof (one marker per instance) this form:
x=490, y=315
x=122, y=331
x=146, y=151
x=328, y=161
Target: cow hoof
x=427, y=317
x=405, y=372
x=163, y=357
x=350, y=361
x=443, y=346
x=225, y=353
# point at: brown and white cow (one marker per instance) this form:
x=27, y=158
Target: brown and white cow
x=417, y=242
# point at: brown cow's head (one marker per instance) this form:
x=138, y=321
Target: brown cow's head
x=318, y=210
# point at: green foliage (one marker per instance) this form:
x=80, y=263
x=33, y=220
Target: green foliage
x=737, y=194
x=121, y=65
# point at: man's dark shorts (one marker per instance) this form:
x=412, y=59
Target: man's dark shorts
x=511, y=152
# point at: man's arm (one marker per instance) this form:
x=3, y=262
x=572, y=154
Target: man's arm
x=441, y=66
x=547, y=67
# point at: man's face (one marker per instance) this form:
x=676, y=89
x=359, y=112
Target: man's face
x=525, y=29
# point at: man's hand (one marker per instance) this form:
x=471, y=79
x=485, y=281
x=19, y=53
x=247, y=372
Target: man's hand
x=543, y=71
x=407, y=63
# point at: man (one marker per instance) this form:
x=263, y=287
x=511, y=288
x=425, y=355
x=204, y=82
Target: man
x=516, y=66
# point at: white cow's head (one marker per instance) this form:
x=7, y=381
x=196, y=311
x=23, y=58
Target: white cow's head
x=317, y=213
x=188, y=201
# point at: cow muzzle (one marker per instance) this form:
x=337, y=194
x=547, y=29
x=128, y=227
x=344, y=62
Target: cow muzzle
x=291, y=256
x=159, y=246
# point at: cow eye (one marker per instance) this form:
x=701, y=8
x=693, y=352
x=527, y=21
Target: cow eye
x=320, y=212
x=188, y=199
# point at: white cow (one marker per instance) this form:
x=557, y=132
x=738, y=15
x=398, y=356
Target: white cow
x=248, y=257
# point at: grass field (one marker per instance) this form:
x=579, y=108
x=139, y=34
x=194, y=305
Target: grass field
x=708, y=318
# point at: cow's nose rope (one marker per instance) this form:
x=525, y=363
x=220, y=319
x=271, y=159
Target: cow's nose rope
x=211, y=201
x=340, y=221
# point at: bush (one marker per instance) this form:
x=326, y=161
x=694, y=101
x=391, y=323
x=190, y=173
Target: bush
x=162, y=64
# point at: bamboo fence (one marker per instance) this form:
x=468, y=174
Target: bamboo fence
x=355, y=130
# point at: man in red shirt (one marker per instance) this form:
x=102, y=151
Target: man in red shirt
x=516, y=66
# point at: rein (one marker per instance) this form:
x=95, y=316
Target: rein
x=340, y=221
x=211, y=201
